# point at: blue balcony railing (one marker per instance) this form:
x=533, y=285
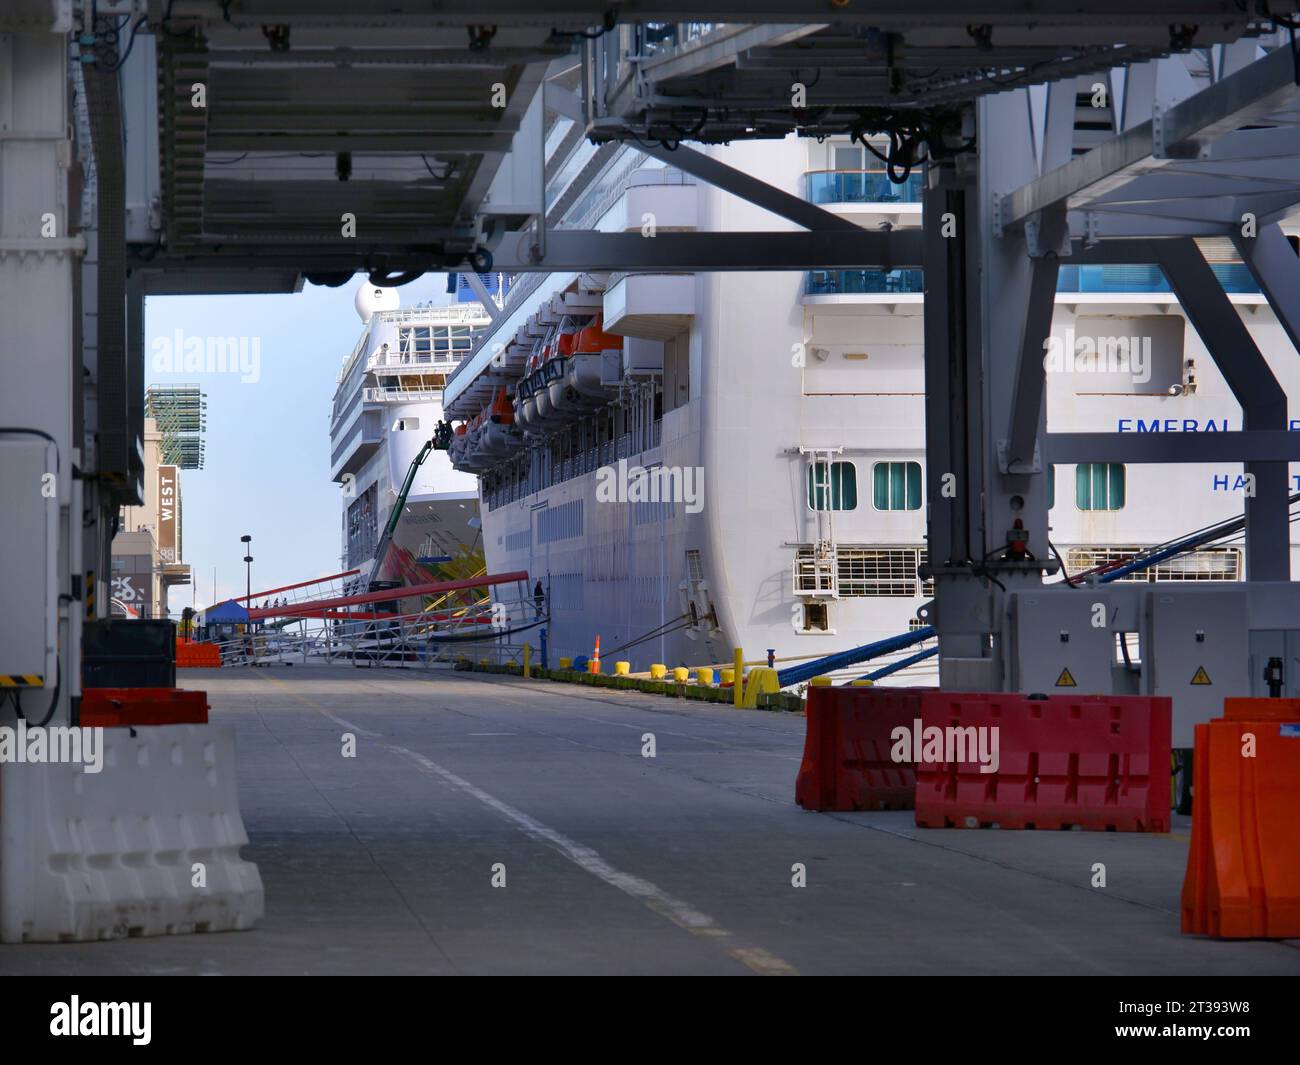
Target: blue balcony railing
x=1234, y=277
x=859, y=186
x=850, y=282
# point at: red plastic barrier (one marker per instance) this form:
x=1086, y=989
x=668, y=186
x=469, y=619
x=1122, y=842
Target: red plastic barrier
x=846, y=756
x=1096, y=762
x=113, y=707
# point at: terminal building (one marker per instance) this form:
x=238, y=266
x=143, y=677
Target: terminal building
x=148, y=548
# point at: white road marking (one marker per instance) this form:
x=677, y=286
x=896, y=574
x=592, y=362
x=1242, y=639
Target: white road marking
x=680, y=913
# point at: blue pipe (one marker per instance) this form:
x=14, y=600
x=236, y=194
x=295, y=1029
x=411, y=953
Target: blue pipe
x=851, y=657
x=1139, y=564
x=894, y=667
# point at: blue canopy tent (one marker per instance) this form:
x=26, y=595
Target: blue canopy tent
x=223, y=620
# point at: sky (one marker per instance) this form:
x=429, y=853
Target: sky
x=267, y=454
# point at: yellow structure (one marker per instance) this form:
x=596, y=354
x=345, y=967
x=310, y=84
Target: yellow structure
x=761, y=681
x=622, y=669
x=704, y=675
x=658, y=671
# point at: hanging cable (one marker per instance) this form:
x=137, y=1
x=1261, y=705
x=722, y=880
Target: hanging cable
x=662, y=630
x=609, y=22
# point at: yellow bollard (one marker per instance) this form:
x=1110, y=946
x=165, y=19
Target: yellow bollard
x=820, y=682
x=681, y=674
x=657, y=671
x=566, y=663
x=861, y=683
x=726, y=677
x=704, y=675
x=761, y=681
x=622, y=669
x=484, y=662
x=528, y=658
x=739, y=686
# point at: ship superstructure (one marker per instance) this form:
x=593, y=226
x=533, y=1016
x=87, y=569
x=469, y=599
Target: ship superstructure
x=696, y=462
x=388, y=401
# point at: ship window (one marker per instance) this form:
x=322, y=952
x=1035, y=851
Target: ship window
x=406, y=423
x=897, y=485
x=814, y=617
x=848, y=158
x=832, y=486
x=1099, y=486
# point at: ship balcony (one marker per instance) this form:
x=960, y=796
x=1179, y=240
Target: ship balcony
x=649, y=306
x=864, y=286
x=656, y=199
x=866, y=197
x=1127, y=283
x=401, y=395
x=1140, y=278
x=359, y=442
x=417, y=361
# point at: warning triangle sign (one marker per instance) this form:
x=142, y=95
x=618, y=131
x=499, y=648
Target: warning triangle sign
x=1065, y=680
x=1201, y=677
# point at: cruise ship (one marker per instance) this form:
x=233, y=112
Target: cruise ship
x=694, y=463
x=386, y=406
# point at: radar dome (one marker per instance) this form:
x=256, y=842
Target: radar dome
x=371, y=298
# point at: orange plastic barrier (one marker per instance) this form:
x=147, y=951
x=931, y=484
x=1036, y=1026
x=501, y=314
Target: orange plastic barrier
x=114, y=707
x=1243, y=866
x=846, y=756
x=1243, y=709
x=197, y=655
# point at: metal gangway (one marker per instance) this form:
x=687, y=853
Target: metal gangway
x=483, y=617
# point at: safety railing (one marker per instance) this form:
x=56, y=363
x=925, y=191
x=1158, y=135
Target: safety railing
x=859, y=186
x=473, y=625
x=863, y=282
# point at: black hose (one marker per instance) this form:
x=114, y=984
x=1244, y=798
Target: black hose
x=405, y=277
x=54, y=700
x=1064, y=572
x=660, y=630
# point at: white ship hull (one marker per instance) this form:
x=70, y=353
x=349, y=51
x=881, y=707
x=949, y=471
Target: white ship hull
x=772, y=373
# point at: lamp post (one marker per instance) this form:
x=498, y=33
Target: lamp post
x=247, y=541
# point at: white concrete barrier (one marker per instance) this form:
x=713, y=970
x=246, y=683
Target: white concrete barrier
x=148, y=846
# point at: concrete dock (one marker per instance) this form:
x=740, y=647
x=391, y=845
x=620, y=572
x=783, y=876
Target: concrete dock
x=492, y=825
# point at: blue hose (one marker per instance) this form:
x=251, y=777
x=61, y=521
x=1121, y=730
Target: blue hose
x=851, y=657
x=903, y=663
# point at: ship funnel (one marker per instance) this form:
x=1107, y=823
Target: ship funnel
x=371, y=298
